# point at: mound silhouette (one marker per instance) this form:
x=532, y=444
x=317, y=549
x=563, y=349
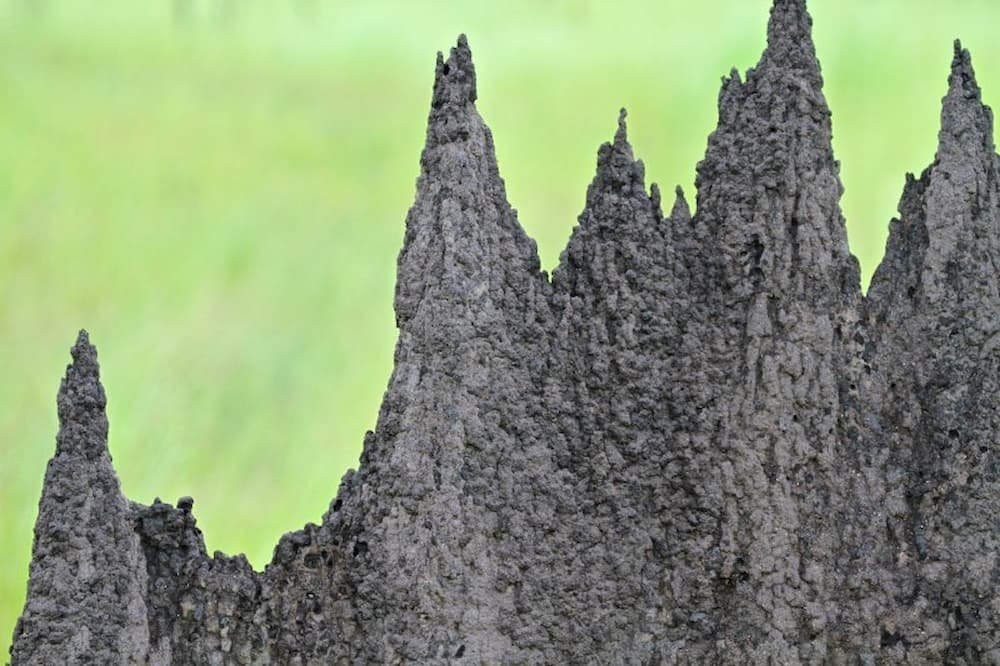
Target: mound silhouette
x=697, y=442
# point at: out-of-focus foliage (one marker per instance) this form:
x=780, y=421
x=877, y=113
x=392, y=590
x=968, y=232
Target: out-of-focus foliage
x=216, y=191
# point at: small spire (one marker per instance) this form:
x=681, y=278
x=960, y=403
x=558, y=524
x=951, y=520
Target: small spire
x=962, y=80
x=83, y=425
x=617, y=168
x=619, y=150
x=730, y=94
x=621, y=135
x=681, y=212
x=657, y=198
x=455, y=78
x=84, y=355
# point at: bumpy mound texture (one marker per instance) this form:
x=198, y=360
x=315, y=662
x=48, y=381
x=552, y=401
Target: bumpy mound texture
x=696, y=443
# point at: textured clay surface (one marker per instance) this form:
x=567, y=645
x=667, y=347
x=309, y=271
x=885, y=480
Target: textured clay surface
x=696, y=443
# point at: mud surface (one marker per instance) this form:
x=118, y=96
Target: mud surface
x=696, y=443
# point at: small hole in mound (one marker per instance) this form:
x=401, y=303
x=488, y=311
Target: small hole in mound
x=460, y=651
x=889, y=639
x=446, y=69
x=953, y=433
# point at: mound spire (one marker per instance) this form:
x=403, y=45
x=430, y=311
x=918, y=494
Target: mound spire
x=455, y=78
x=461, y=233
x=772, y=283
x=86, y=593
x=790, y=41
x=966, y=123
x=769, y=186
x=681, y=212
x=932, y=310
x=618, y=172
x=82, y=419
x=472, y=310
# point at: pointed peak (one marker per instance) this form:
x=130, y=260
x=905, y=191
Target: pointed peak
x=962, y=80
x=455, y=78
x=966, y=123
x=621, y=134
x=619, y=147
x=681, y=212
x=789, y=39
x=453, y=117
x=84, y=355
x=789, y=20
x=81, y=402
x=617, y=169
x=657, y=198
x=730, y=90
x=795, y=8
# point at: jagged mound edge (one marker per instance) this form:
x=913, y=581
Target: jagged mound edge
x=455, y=81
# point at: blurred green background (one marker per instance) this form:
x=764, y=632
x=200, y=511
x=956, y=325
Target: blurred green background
x=216, y=190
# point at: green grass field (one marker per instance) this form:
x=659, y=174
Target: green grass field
x=220, y=200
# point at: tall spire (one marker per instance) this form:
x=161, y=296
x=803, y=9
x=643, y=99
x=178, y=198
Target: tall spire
x=961, y=187
x=951, y=207
x=767, y=256
x=932, y=312
x=460, y=225
x=769, y=185
x=86, y=592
